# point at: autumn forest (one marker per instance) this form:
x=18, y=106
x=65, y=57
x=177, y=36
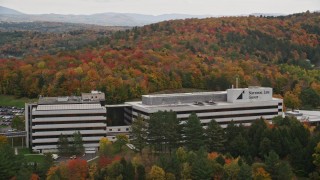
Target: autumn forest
x=282, y=52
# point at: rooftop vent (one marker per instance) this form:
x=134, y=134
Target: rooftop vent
x=63, y=99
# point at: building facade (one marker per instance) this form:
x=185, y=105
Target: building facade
x=241, y=105
x=50, y=117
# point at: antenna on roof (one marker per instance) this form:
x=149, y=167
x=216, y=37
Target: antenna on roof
x=237, y=81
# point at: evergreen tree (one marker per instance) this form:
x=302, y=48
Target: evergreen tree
x=164, y=130
x=284, y=171
x=239, y=146
x=77, y=146
x=139, y=133
x=245, y=172
x=63, y=145
x=256, y=135
x=141, y=173
x=265, y=146
x=130, y=171
x=201, y=167
x=194, y=136
x=215, y=137
x=272, y=164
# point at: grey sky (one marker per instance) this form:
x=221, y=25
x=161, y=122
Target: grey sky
x=156, y=7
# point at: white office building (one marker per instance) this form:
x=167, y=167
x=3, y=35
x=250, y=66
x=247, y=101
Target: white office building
x=50, y=117
x=242, y=105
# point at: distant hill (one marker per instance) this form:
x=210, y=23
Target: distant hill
x=280, y=52
x=4, y=10
x=104, y=19
x=54, y=27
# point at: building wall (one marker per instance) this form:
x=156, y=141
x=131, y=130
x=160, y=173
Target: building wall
x=244, y=113
x=45, y=126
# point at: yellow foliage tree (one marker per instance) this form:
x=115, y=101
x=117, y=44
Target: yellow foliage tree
x=316, y=156
x=156, y=173
x=52, y=173
x=291, y=100
x=3, y=140
x=261, y=174
x=105, y=146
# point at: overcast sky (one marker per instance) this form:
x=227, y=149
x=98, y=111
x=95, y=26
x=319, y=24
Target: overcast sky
x=156, y=7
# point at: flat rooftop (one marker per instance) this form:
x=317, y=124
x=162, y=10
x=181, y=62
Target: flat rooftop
x=67, y=100
x=184, y=98
x=304, y=115
x=199, y=104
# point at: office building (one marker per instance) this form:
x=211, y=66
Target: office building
x=50, y=117
x=242, y=105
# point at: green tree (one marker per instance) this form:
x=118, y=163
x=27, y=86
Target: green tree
x=265, y=146
x=239, y=146
x=115, y=170
x=122, y=140
x=18, y=123
x=45, y=165
x=201, y=167
x=272, y=164
x=194, y=133
x=141, y=173
x=215, y=137
x=9, y=163
x=245, y=172
x=139, y=133
x=284, y=171
x=63, y=145
x=316, y=156
x=77, y=146
x=309, y=97
x=163, y=130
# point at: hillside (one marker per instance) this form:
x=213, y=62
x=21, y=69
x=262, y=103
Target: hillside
x=281, y=52
x=41, y=38
x=4, y=10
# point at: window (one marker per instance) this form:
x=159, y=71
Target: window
x=127, y=129
x=119, y=129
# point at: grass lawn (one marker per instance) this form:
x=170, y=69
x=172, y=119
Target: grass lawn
x=24, y=151
x=38, y=158
x=6, y=100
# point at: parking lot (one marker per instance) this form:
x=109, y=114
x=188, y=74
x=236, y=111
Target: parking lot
x=6, y=116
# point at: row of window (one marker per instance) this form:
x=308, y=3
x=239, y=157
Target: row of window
x=69, y=115
x=127, y=129
x=69, y=129
x=69, y=122
x=69, y=136
x=55, y=143
x=230, y=115
x=216, y=110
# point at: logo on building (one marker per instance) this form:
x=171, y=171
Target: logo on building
x=240, y=96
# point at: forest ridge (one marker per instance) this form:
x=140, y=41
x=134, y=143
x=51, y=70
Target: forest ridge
x=281, y=52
